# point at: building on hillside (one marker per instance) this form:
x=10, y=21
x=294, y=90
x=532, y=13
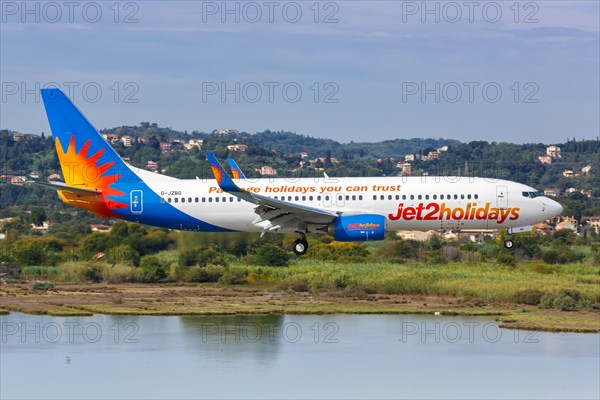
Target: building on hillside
x=126, y=140
x=165, y=147
x=409, y=157
x=416, y=235
x=568, y=173
x=546, y=160
x=567, y=223
x=406, y=168
x=554, y=192
x=586, y=170
x=553, y=151
x=43, y=228
x=267, y=170
x=591, y=221
x=442, y=149
x=237, y=147
x=152, y=166
x=587, y=193
x=18, y=180
x=54, y=177
x=303, y=154
x=197, y=143
x=432, y=155
x=18, y=137
x=100, y=228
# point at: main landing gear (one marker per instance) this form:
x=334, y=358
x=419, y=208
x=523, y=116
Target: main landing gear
x=508, y=243
x=300, y=245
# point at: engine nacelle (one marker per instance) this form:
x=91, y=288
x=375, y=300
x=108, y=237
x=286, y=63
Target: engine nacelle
x=358, y=228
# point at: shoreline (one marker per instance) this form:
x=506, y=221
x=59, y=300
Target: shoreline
x=210, y=299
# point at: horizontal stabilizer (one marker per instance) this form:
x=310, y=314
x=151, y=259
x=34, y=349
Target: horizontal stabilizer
x=63, y=187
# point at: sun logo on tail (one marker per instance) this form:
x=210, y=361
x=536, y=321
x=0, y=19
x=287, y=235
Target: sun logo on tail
x=218, y=173
x=83, y=171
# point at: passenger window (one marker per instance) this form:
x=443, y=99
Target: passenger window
x=403, y=197
x=435, y=196
x=455, y=197
x=412, y=196
x=197, y=200
x=347, y=197
x=162, y=199
x=318, y=198
x=176, y=199
x=231, y=199
x=183, y=199
x=476, y=196
x=204, y=199
x=426, y=197
x=310, y=198
x=469, y=196
x=303, y=198
x=217, y=199
x=382, y=197
x=389, y=197
x=374, y=197
x=327, y=198
x=296, y=198
x=169, y=199
x=210, y=199
x=239, y=200
x=462, y=196
x=420, y=197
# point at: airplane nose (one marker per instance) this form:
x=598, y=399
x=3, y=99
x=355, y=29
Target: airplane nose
x=553, y=208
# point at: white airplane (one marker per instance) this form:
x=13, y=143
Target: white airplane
x=349, y=209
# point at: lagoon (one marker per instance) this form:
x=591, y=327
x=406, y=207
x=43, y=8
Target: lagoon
x=290, y=356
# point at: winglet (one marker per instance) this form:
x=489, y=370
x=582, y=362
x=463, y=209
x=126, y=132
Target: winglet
x=235, y=169
x=224, y=181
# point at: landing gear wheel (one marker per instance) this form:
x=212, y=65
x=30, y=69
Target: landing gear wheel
x=300, y=246
x=508, y=244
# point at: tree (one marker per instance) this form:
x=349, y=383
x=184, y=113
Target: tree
x=272, y=255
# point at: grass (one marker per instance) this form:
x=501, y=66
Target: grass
x=311, y=287
x=483, y=281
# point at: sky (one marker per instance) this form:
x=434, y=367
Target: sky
x=347, y=70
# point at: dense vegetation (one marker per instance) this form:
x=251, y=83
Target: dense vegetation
x=557, y=271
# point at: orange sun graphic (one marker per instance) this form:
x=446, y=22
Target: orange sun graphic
x=218, y=174
x=82, y=171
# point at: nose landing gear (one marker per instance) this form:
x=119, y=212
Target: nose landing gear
x=300, y=246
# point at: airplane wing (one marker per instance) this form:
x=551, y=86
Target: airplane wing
x=272, y=213
x=235, y=169
x=63, y=187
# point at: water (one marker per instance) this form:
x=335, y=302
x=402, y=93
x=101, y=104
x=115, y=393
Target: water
x=331, y=356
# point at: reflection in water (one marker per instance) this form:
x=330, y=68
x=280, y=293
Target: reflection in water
x=298, y=356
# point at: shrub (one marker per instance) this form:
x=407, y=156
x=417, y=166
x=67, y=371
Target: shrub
x=506, y=259
x=297, y=285
x=233, y=278
x=540, y=268
x=532, y=297
x=202, y=257
x=345, y=252
x=565, y=300
x=123, y=254
x=39, y=271
x=153, y=269
x=93, y=272
x=203, y=274
x=271, y=255
x=43, y=285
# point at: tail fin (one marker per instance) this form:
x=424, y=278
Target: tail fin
x=86, y=159
x=236, y=171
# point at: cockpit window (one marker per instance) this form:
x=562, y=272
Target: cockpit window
x=531, y=195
